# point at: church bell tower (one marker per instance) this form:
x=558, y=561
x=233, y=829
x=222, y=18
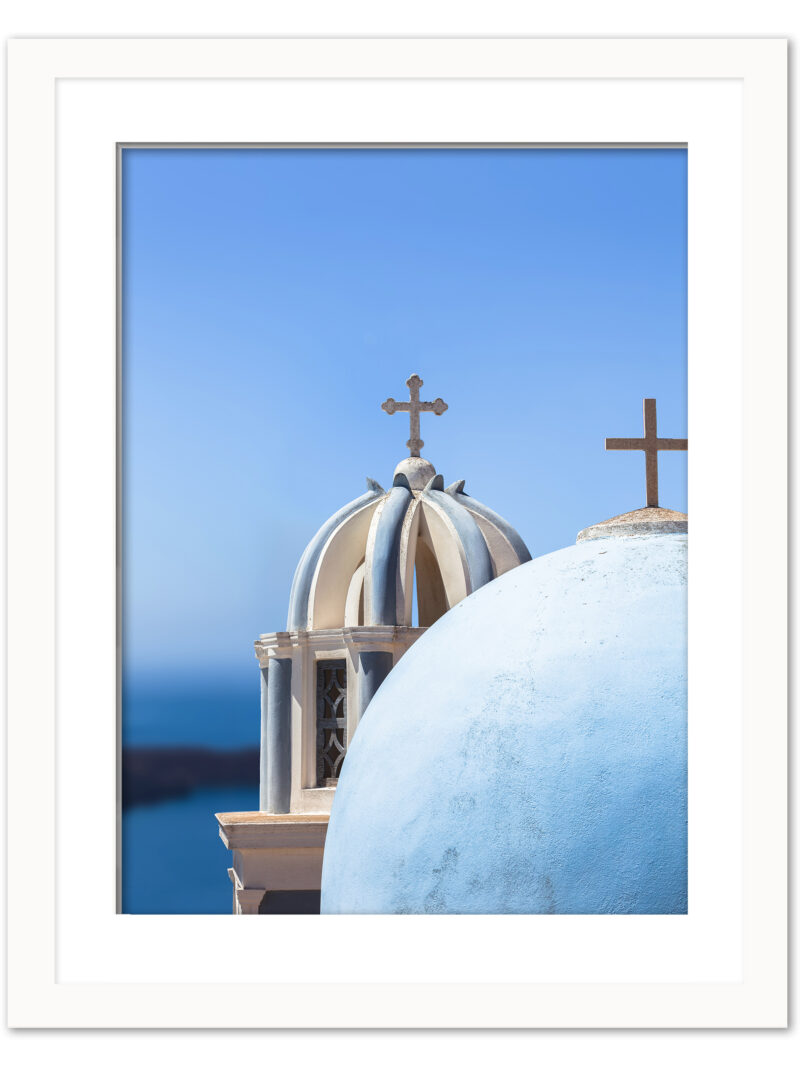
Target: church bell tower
x=370, y=582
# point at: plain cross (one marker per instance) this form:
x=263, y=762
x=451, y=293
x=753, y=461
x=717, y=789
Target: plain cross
x=414, y=406
x=651, y=444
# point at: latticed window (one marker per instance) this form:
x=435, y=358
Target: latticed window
x=331, y=719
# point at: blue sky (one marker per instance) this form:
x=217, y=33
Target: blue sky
x=272, y=299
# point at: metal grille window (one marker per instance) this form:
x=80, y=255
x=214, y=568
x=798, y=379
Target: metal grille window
x=331, y=719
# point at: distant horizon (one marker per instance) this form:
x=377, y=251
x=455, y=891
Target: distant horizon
x=274, y=298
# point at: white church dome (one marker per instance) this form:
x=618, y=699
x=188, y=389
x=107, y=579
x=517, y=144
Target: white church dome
x=361, y=567
x=529, y=753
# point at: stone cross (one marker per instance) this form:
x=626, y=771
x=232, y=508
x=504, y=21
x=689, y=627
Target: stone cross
x=414, y=406
x=651, y=444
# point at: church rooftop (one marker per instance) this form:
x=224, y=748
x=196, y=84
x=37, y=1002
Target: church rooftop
x=651, y=519
x=419, y=543
x=641, y=521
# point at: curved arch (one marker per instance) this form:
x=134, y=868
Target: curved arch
x=340, y=558
x=354, y=605
x=491, y=524
x=458, y=545
x=383, y=558
x=409, y=539
x=298, y=618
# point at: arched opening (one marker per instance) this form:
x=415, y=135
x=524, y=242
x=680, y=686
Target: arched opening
x=338, y=560
x=431, y=600
x=354, y=604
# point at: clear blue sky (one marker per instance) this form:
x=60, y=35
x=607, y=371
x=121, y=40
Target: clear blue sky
x=273, y=299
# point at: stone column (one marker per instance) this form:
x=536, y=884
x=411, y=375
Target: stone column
x=276, y=737
x=264, y=763
x=372, y=669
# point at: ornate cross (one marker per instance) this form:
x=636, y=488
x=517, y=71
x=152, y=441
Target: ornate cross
x=414, y=406
x=651, y=444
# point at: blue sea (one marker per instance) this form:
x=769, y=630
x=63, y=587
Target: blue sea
x=169, y=710
x=173, y=861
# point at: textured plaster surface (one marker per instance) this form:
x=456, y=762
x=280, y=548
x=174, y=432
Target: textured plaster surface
x=528, y=754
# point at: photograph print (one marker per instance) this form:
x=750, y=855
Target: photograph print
x=404, y=531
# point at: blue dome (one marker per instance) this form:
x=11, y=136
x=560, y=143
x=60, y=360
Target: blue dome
x=529, y=753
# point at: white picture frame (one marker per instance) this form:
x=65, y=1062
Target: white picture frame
x=74, y=962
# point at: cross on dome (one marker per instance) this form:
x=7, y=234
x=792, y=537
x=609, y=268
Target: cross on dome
x=414, y=406
x=651, y=444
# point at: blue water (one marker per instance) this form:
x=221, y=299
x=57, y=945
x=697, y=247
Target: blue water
x=218, y=713
x=173, y=861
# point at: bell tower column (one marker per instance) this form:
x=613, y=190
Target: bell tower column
x=373, y=666
x=276, y=736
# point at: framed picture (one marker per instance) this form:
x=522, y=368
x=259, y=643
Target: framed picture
x=95, y=124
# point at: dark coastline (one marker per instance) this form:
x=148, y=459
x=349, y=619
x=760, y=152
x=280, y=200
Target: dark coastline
x=151, y=774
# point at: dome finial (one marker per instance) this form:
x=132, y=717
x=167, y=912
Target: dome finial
x=651, y=444
x=414, y=406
